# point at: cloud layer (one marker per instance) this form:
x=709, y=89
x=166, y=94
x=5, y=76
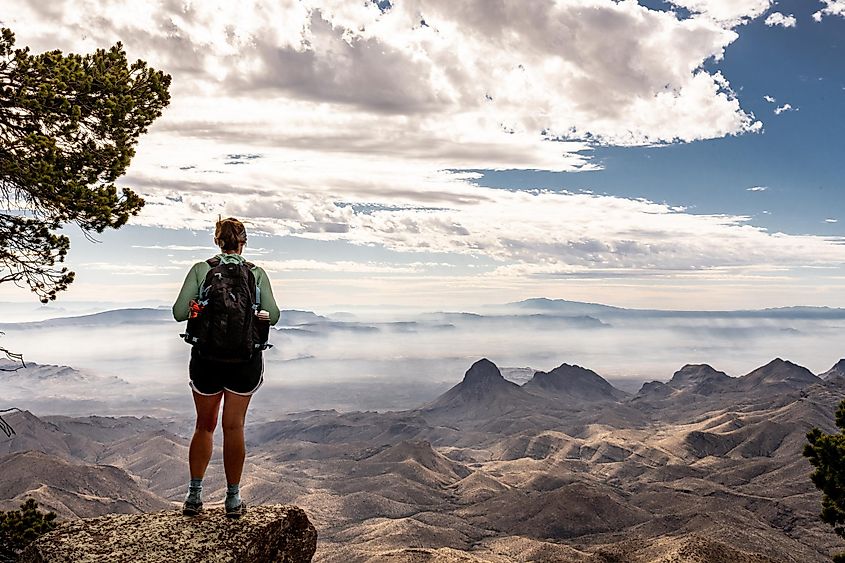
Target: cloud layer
x=438, y=70
x=338, y=120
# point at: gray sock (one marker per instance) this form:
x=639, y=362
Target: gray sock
x=233, y=496
x=194, y=491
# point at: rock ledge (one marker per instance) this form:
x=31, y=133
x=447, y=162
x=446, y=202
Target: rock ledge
x=277, y=533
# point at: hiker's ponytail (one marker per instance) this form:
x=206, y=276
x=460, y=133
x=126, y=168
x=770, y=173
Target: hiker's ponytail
x=229, y=234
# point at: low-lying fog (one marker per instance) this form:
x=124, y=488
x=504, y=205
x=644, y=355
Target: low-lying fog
x=133, y=362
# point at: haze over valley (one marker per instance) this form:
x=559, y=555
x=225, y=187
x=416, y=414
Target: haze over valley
x=132, y=361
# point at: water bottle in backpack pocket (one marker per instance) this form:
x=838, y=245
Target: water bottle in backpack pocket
x=222, y=324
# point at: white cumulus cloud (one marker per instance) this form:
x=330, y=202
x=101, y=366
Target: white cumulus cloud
x=726, y=12
x=831, y=8
x=779, y=19
x=472, y=71
x=446, y=212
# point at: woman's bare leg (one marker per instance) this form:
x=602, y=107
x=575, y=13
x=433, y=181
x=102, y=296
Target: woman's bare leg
x=234, y=451
x=199, y=453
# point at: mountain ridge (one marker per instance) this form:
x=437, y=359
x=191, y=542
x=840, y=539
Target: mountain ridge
x=573, y=309
x=798, y=311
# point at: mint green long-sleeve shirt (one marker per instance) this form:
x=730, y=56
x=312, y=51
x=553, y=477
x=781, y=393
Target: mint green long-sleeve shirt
x=196, y=277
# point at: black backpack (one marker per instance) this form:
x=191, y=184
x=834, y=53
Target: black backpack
x=223, y=325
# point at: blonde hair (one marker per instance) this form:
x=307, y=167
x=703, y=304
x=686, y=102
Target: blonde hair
x=229, y=234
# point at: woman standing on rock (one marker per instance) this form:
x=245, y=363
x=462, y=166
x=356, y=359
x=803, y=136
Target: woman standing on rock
x=229, y=306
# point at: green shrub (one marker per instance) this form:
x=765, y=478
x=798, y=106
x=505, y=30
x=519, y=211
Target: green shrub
x=827, y=454
x=18, y=528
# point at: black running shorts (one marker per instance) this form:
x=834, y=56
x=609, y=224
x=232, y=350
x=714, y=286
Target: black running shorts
x=209, y=377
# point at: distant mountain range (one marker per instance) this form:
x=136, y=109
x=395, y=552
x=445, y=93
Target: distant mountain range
x=117, y=316
x=545, y=305
x=776, y=376
x=484, y=392
x=540, y=309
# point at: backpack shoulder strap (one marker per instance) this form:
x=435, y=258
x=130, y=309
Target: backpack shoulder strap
x=251, y=276
x=212, y=262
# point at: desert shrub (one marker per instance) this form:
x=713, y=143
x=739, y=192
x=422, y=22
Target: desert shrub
x=827, y=454
x=18, y=528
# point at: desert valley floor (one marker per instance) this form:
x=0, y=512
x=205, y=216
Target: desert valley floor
x=564, y=467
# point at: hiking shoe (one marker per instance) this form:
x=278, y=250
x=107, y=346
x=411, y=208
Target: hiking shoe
x=191, y=508
x=236, y=511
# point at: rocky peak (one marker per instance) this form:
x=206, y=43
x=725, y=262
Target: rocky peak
x=695, y=372
x=566, y=373
x=654, y=389
x=779, y=372
x=574, y=381
x=700, y=378
x=481, y=394
x=483, y=381
x=838, y=370
x=266, y=533
x=483, y=373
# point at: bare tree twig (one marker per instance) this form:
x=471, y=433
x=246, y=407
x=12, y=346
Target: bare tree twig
x=11, y=356
x=4, y=426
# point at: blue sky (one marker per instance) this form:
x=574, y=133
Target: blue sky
x=691, y=162
x=797, y=156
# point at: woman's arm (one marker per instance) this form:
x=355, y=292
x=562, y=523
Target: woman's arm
x=268, y=302
x=190, y=290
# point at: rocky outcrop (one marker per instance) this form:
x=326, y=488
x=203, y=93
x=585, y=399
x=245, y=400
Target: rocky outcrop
x=266, y=534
